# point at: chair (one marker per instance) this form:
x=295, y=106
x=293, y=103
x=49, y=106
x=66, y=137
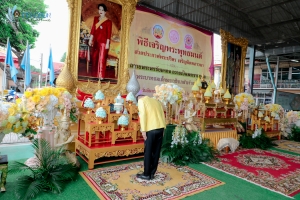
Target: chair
x=111, y=61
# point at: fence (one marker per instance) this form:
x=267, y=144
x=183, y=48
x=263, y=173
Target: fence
x=14, y=138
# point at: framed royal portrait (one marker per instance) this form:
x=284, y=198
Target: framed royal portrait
x=233, y=62
x=98, y=44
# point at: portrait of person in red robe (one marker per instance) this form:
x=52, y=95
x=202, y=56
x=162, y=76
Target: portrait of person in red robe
x=100, y=40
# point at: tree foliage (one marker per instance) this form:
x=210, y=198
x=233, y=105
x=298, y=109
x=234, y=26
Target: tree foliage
x=21, y=29
x=63, y=58
x=34, y=69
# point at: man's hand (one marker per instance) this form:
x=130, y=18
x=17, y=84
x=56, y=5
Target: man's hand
x=144, y=135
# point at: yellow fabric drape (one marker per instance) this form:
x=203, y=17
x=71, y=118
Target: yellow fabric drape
x=214, y=137
x=100, y=22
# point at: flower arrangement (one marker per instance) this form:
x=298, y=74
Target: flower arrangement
x=267, y=119
x=99, y=95
x=244, y=101
x=100, y=112
x=168, y=93
x=27, y=113
x=260, y=114
x=123, y=120
x=48, y=100
x=4, y=111
x=187, y=148
x=179, y=137
x=275, y=109
x=130, y=98
x=292, y=117
x=15, y=119
x=88, y=103
x=289, y=124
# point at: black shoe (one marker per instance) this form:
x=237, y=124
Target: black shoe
x=142, y=176
x=152, y=176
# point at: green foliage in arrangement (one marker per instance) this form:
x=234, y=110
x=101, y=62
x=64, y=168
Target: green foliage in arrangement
x=295, y=135
x=53, y=173
x=193, y=150
x=261, y=142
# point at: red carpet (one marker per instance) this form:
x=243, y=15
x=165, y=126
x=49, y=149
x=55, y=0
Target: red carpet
x=273, y=170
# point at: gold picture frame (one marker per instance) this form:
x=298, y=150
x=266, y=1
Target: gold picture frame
x=128, y=10
x=242, y=43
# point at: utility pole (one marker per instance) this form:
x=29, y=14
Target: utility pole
x=41, y=72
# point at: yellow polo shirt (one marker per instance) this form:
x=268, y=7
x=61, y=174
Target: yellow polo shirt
x=151, y=114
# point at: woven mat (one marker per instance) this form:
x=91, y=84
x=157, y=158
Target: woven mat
x=288, y=145
x=170, y=182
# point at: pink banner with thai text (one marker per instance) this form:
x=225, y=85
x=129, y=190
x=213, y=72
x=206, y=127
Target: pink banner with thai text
x=165, y=50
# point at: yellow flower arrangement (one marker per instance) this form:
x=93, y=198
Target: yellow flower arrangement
x=275, y=109
x=244, y=101
x=28, y=94
x=20, y=117
x=168, y=93
x=36, y=98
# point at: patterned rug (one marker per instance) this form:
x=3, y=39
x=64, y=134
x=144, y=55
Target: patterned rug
x=288, y=145
x=273, y=170
x=170, y=182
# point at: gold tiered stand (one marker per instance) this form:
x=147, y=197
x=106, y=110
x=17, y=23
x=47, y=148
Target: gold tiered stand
x=98, y=141
x=271, y=127
x=215, y=118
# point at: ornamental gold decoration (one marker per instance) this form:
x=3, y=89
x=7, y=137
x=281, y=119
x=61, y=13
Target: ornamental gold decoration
x=128, y=10
x=124, y=135
x=226, y=38
x=83, y=151
x=118, y=153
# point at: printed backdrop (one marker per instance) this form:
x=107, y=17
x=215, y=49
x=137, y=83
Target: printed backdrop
x=167, y=50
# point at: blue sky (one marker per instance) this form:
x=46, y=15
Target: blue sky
x=54, y=33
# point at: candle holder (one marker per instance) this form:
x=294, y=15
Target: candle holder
x=100, y=120
x=207, y=98
x=99, y=102
x=89, y=111
x=130, y=103
x=195, y=93
x=226, y=100
x=123, y=127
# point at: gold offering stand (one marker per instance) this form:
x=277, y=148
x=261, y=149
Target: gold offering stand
x=215, y=116
x=96, y=142
x=261, y=118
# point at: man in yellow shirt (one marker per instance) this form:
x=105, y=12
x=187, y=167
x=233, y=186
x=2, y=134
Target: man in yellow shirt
x=152, y=121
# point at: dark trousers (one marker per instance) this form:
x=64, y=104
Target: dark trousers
x=152, y=150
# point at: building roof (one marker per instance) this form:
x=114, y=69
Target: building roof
x=273, y=26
